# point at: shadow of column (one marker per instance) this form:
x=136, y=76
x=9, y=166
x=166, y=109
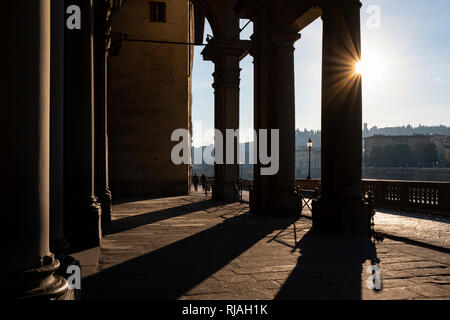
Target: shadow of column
x=170, y=272
x=330, y=267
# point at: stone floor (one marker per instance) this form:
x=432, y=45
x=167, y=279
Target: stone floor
x=193, y=248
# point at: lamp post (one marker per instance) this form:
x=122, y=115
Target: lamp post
x=309, y=144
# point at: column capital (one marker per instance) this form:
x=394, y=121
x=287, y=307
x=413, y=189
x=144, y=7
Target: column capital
x=225, y=54
x=328, y=5
x=217, y=48
x=284, y=38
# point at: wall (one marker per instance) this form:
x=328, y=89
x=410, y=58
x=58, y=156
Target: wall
x=149, y=97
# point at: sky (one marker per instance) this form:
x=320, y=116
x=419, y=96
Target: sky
x=406, y=70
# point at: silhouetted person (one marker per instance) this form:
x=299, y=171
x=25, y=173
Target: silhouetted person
x=195, y=181
x=204, y=181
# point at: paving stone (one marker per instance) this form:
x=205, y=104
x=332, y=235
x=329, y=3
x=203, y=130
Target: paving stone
x=195, y=248
x=397, y=283
x=234, y=278
x=432, y=291
x=271, y=276
x=391, y=294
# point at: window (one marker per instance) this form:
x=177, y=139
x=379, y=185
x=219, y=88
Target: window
x=157, y=11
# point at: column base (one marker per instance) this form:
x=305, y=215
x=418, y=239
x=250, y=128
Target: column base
x=341, y=216
x=83, y=225
x=40, y=283
x=106, y=203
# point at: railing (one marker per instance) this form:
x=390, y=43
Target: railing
x=429, y=197
x=421, y=196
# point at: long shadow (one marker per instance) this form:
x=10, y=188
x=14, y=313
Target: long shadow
x=414, y=242
x=417, y=215
x=122, y=200
x=330, y=267
x=170, y=272
x=158, y=215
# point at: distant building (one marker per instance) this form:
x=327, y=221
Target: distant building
x=302, y=159
x=365, y=130
x=406, y=151
x=415, y=142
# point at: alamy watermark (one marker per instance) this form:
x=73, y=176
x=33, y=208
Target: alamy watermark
x=73, y=21
x=266, y=149
x=374, y=281
x=373, y=17
x=74, y=277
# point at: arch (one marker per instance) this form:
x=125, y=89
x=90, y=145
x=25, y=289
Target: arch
x=210, y=15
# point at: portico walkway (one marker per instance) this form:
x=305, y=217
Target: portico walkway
x=193, y=248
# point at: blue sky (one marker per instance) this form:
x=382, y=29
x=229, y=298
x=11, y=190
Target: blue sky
x=406, y=79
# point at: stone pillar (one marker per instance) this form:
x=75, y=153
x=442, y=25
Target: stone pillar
x=58, y=242
x=341, y=208
x=284, y=200
x=101, y=116
x=273, y=52
x=260, y=202
x=83, y=212
x=26, y=264
x=226, y=56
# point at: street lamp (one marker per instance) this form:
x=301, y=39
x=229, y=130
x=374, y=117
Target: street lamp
x=309, y=144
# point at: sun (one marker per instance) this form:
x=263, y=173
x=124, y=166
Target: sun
x=372, y=67
x=359, y=67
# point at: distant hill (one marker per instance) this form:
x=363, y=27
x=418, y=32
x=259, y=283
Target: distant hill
x=406, y=130
x=301, y=137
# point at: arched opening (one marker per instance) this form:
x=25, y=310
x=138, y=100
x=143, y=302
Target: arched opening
x=246, y=118
x=202, y=109
x=308, y=96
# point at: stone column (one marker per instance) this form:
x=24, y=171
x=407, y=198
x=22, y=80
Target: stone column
x=341, y=208
x=26, y=264
x=101, y=116
x=226, y=56
x=83, y=212
x=273, y=52
x=283, y=197
x=58, y=242
x=260, y=201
